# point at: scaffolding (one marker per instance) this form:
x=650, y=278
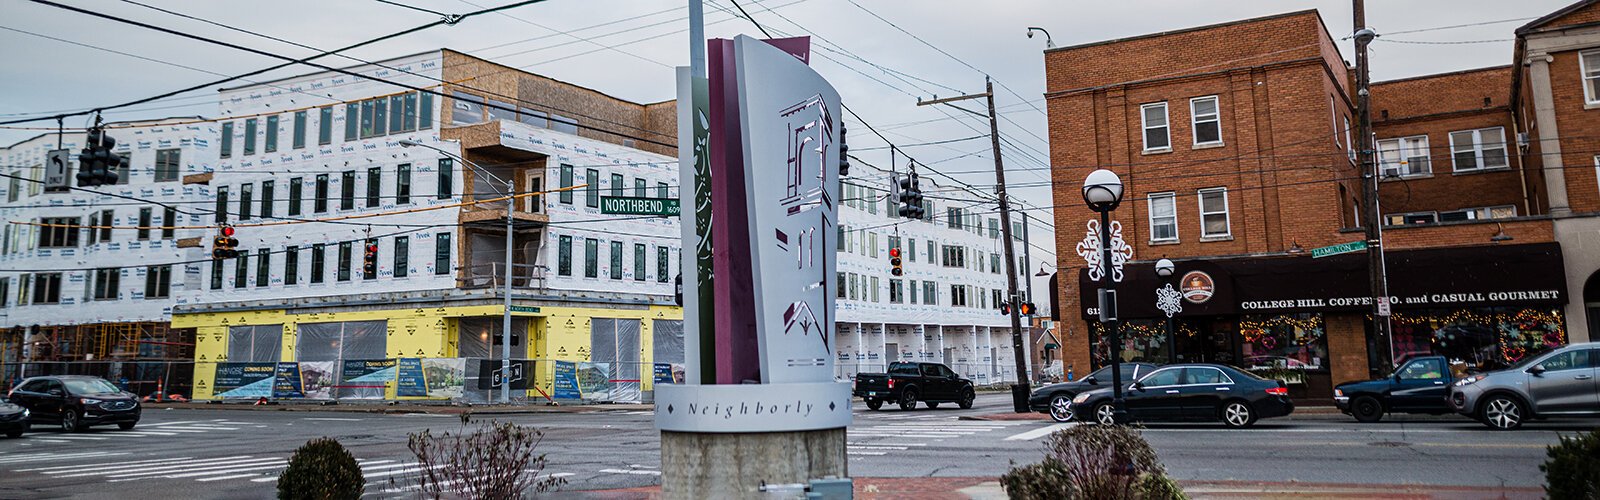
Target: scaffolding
x=131, y=341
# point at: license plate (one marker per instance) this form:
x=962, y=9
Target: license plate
x=872, y=393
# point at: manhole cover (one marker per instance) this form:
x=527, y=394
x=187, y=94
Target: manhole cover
x=1390, y=444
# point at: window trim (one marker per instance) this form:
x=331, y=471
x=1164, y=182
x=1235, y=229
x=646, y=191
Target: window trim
x=1194, y=120
x=1402, y=145
x=1171, y=197
x=1200, y=201
x=1144, y=126
x=1589, y=99
x=1477, y=150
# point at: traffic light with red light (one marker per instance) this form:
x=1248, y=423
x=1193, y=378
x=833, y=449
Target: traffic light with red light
x=224, y=246
x=369, y=260
x=894, y=262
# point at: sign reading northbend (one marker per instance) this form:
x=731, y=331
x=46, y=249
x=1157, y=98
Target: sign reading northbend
x=633, y=205
x=1354, y=246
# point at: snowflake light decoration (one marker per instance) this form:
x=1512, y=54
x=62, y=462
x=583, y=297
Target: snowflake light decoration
x=1089, y=249
x=1168, y=300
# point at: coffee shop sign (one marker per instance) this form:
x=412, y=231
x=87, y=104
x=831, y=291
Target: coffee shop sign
x=1438, y=298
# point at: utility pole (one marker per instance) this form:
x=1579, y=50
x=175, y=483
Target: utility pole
x=1376, y=272
x=1020, y=390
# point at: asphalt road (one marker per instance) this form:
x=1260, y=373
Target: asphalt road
x=238, y=453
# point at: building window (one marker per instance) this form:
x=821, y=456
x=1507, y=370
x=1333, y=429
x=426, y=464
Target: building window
x=227, y=141
x=59, y=232
x=325, y=125
x=397, y=116
x=447, y=176
x=1153, y=116
x=320, y=202
x=250, y=137
x=616, y=185
x=241, y=269
x=374, y=186
x=994, y=263
x=409, y=120
x=616, y=260
x=263, y=268
x=874, y=288
x=246, y=198
x=1405, y=156
x=125, y=168
x=291, y=265
x=855, y=288
x=107, y=219
x=107, y=282
x=272, y=133
x=424, y=111
x=1591, y=76
x=347, y=190
x=958, y=295
x=441, y=253
x=640, y=188
x=911, y=249
x=1214, y=213
x=897, y=291
x=352, y=118
x=166, y=166
x=169, y=223
x=466, y=109
x=566, y=184
x=299, y=131
x=663, y=264
x=1481, y=213
x=661, y=190
x=953, y=256
x=296, y=185
x=46, y=288
x=1206, y=121
x=216, y=275
x=839, y=287
x=913, y=289
x=402, y=184
x=638, y=262
x=221, y=208
x=591, y=258
x=1482, y=149
x=591, y=192
x=564, y=256
x=145, y=216
x=344, y=261
x=267, y=199
x=930, y=293
x=1410, y=219
x=158, y=282
x=319, y=262
x=1163, y=217
x=402, y=256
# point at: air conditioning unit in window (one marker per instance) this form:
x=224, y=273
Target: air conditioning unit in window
x=1522, y=141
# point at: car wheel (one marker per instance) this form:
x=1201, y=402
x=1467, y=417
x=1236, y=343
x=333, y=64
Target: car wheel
x=1366, y=409
x=1105, y=414
x=18, y=433
x=908, y=399
x=931, y=404
x=967, y=397
x=874, y=404
x=1237, y=414
x=1503, y=413
x=1061, y=409
x=127, y=426
x=70, y=422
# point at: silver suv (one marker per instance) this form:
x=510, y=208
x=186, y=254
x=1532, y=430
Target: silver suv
x=1560, y=383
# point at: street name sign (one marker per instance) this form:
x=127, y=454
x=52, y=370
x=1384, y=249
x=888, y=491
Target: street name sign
x=633, y=205
x=1354, y=246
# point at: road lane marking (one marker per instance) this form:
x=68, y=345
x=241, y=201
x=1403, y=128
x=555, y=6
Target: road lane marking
x=162, y=467
x=58, y=467
x=1041, y=432
x=333, y=419
x=42, y=457
x=634, y=472
x=158, y=424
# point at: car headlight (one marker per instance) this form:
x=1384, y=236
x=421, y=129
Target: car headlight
x=25, y=413
x=1081, y=398
x=91, y=401
x=1468, y=381
x=1338, y=393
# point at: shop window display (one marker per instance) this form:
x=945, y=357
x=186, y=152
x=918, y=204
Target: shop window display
x=1484, y=338
x=1143, y=340
x=1288, y=345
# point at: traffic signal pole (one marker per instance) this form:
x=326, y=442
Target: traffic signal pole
x=1021, y=389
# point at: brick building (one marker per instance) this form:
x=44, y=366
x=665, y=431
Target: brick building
x=1236, y=146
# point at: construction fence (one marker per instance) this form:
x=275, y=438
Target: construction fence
x=142, y=378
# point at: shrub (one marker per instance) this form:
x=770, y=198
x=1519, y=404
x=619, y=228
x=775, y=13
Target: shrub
x=1093, y=462
x=321, y=470
x=494, y=461
x=1573, y=469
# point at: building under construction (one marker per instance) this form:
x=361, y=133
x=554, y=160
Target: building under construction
x=144, y=358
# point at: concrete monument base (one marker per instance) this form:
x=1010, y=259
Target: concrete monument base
x=734, y=465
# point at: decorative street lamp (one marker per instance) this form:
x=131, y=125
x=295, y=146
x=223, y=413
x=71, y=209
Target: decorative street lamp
x=1168, y=301
x=1102, y=192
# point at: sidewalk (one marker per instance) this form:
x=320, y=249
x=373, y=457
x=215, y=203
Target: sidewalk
x=400, y=408
x=987, y=488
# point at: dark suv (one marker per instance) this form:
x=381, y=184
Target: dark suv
x=76, y=402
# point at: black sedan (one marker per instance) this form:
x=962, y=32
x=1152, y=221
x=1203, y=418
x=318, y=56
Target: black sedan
x=76, y=402
x=1056, y=399
x=1191, y=392
x=13, y=419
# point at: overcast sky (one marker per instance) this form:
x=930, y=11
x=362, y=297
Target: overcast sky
x=627, y=49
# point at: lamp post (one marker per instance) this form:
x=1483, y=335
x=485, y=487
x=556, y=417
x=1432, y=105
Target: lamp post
x=1166, y=301
x=1102, y=192
x=505, y=327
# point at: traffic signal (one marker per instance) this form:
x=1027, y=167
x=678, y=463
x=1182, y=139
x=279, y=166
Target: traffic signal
x=369, y=260
x=844, y=154
x=1027, y=309
x=677, y=290
x=97, y=166
x=910, y=197
x=1005, y=308
x=894, y=262
x=224, y=245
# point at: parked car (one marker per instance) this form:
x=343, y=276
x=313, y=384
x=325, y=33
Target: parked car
x=1056, y=399
x=1192, y=392
x=1560, y=383
x=1419, y=386
x=908, y=383
x=13, y=419
x=76, y=402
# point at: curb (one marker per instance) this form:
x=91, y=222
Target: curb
x=403, y=410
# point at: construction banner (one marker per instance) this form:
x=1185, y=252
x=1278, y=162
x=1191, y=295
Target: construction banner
x=244, y=380
x=286, y=382
x=412, y=380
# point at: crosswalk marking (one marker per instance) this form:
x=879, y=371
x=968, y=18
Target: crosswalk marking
x=59, y=467
x=41, y=457
x=875, y=439
x=1041, y=432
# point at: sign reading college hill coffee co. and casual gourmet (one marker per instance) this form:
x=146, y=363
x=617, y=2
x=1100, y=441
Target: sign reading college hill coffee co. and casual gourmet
x=1462, y=277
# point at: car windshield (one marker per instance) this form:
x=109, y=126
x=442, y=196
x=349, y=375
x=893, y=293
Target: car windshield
x=89, y=386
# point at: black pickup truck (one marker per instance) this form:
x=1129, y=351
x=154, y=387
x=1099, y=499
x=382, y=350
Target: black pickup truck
x=1422, y=385
x=907, y=383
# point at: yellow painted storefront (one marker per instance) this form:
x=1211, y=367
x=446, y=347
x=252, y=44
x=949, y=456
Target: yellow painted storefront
x=558, y=333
